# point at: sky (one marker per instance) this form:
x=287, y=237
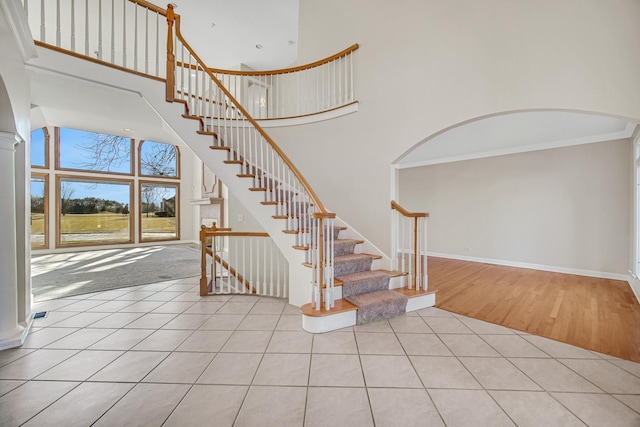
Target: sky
x=73, y=156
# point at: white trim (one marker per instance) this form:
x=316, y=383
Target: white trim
x=611, y=136
x=331, y=322
x=555, y=269
x=17, y=20
x=311, y=118
x=634, y=283
x=420, y=302
x=18, y=337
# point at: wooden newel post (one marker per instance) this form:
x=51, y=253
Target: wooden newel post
x=171, y=57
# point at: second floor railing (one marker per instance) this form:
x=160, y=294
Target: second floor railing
x=131, y=34
x=409, y=245
x=293, y=92
x=127, y=34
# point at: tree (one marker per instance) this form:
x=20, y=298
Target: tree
x=158, y=159
x=104, y=152
x=66, y=192
x=149, y=194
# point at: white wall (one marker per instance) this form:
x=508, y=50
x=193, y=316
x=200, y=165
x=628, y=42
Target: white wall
x=424, y=66
x=235, y=209
x=564, y=207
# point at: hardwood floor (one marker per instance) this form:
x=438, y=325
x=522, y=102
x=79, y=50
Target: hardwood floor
x=597, y=314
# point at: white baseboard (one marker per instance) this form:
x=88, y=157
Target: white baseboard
x=576, y=271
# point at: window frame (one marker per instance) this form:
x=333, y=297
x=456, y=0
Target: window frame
x=99, y=180
x=45, y=177
x=132, y=160
x=139, y=161
x=47, y=142
x=141, y=183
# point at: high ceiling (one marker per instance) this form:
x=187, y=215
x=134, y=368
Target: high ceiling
x=225, y=33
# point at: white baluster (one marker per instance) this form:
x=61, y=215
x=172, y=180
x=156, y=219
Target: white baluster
x=124, y=33
x=73, y=25
x=135, y=39
x=264, y=269
x=158, y=44
x=58, y=34
x=394, y=264
x=146, y=41
x=100, y=29
x=214, y=273
x=268, y=248
x=252, y=278
x=401, y=244
x=113, y=33
x=86, y=28
x=236, y=264
x=424, y=248
x=43, y=26
x=351, y=77
x=244, y=265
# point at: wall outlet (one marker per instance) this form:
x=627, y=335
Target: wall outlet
x=468, y=249
x=240, y=218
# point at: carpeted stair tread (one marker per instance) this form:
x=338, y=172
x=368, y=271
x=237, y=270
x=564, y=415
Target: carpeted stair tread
x=351, y=263
x=363, y=282
x=344, y=246
x=378, y=305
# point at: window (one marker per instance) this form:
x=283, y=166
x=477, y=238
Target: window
x=39, y=203
x=159, y=211
x=92, y=211
x=158, y=159
x=96, y=152
x=88, y=205
x=39, y=148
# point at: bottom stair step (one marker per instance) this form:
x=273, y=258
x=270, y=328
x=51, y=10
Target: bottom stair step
x=378, y=305
x=364, y=282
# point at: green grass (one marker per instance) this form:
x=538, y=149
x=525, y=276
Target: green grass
x=154, y=224
x=37, y=223
x=104, y=222
x=115, y=227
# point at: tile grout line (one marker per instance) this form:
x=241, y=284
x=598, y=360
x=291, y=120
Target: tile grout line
x=424, y=387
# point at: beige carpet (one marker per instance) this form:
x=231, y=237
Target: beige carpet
x=65, y=274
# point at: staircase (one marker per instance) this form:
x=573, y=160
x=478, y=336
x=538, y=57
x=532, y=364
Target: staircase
x=326, y=263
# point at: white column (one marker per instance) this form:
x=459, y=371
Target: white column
x=11, y=333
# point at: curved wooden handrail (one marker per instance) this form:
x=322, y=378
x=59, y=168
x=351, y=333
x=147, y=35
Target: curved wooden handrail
x=333, y=57
x=150, y=6
x=235, y=234
x=244, y=112
x=406, y=213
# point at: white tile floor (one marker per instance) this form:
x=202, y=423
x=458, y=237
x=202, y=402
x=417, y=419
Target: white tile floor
x=160, y=355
